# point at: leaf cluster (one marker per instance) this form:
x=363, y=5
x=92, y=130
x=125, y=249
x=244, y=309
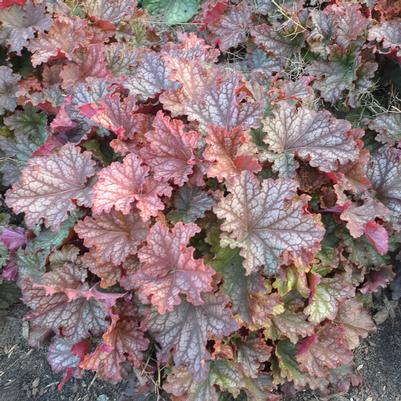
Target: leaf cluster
x=201, y=194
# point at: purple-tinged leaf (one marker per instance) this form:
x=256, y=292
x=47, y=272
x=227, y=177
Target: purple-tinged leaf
x=8, y=88
x=388, y=33
x=21, y=24
x=187, y=329
x=113, y=236
x=150, y=77
x=170, y=151
x=316, y=137
x=388, y=126
x=49, y=185
x=356, y=321
x=263, y=222
x=384, y=172
x=169, y=269
x=325, y=350
x=232, y=28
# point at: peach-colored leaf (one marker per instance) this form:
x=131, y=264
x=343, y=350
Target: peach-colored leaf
x=65, y=36
x=114, y=236
x=229, y=153
x=328, y=349
x=122, y=341
x=121, y=185
x=170, y=150
x=168, y=268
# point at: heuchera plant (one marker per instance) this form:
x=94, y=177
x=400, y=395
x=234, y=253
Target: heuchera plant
x=208, y=202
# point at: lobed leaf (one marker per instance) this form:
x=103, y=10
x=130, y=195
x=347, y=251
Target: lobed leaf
x=325, y=350
x=88, y=63
x=251, y=354
x=61, y=355
x=384, y=172
x=388, y=33
x=232, y=28
x=63, y=38
x=21, y=24
x=356, y=321
x=187, y=329
x=8, y=88
x=171, y=150
x=313, y=136
x=273, y=41
x=113, y=236
x=116, y=115
x=236, y=284
x=123, y=340
x=389, y=128
x=169, y=269
x=208, y=103
x=30, y=133
x=111, y=11
x=123, y=184
x=326, y=295
x=173, y=11
x=293, y=325
x=75, y=318
x=229, y=153
x=264, y=221
x=48, y=186
x=191, y=203
x=150, y=77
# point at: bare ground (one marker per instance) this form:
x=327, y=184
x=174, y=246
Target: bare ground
x=26, y=376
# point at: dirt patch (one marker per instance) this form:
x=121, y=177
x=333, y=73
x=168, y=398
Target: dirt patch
x=26, y=376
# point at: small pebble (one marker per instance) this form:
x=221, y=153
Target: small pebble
x=35, y=383
x=25, y=329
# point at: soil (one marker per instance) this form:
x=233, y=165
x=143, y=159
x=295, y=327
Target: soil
x=26, y=376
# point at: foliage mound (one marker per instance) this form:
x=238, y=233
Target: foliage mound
x=201, y=194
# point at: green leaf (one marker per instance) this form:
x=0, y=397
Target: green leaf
x=191, y=203
x=31, y=260
x=29, y=122
x=328, y=293
x=3, y=254
x=285, y=352
x=47, y=240
x=257, y=136
x=172, y=11
x=29, y=129
x=31, y=264
x=236, y=284
x=99, y=150
x=227, y=376
x=4, y=219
